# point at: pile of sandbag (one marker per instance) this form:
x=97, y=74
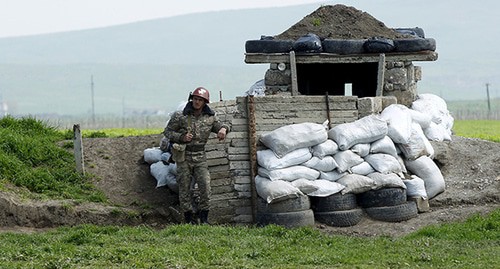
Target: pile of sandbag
x=389, y=150
x=160, y=168
x=159, y=159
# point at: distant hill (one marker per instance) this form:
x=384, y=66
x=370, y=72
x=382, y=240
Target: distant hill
x=152, y=65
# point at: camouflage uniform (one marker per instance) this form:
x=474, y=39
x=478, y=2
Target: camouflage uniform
x=195, y=164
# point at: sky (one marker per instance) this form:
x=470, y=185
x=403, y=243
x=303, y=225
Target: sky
x=31, y=17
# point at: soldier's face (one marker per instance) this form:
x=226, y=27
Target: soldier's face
x=198, y=102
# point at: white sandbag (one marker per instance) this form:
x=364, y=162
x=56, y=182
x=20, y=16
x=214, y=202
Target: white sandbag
x=326, y=188
x=362, y=149
x=436, y=132
x=431, y=105
x=364, y=130
x=326, y=164
x=291, y=137
x=346, y=159
x=290, y=173
x=387, y=180
x=332, y=175
x=384, y=145
x=165, y=175
x=416, y=146
x=152, y=155
x=166, y=156
x=329, y=147
x=425, y=168
x=384, y=163
x=447, y=123
x=356, y=183
x=422, y=119
x=399, y=121
x=275, y=191
x=415, y=187
x=401, y=163
x=267, y=159
x=363, y=168
x=436, y=108
x=306, y=186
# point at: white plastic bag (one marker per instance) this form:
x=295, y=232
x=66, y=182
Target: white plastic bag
x=364, y=130
x=326, y=188
x=415, y=187
x=425, y=168
x=291, y=137
x=384, y=163
x=165, y=175
x=326, y=164
x=399, y=121
x=152, y=155
x=356, y=183
x=290, y=173
x=346, y=159
x=275, y=191
x=329, y=147
x=267, y=159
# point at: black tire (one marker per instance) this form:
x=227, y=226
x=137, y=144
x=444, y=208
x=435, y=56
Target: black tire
x=395, y=213
x=378, y=45
x=343, y=218
x=334, y=202
x=414, y=44
x=288, y=219
x=268, y=46
x=300, y=203
x=417, y=31
x=382, y=197
x=344, y=46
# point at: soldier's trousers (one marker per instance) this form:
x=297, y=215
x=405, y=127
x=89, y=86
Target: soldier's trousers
x=198, y=171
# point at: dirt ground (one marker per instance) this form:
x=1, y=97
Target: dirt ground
x=339, y=22
x=471, y=168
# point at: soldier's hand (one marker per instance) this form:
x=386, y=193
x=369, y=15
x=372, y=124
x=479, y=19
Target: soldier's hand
x=222, y=134
x=188, y=137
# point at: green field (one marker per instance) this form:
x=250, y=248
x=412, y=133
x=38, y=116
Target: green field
x=471, y=244
x=483, y=129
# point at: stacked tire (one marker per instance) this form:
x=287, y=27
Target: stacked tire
x=388, y=204
x=289, y=213
x=337, y=210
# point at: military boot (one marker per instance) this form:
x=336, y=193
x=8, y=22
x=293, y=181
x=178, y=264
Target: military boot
x=204, y=217
x=189, y=218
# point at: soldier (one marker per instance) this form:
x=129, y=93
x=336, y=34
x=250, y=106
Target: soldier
x=189, y=130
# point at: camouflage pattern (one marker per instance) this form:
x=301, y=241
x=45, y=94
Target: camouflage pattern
x=199, y=172
x=195, y=163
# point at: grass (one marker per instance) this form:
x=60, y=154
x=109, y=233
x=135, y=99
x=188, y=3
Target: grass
x=119, y=132
x=31, y=160
x=483, y=129
x=472, y=244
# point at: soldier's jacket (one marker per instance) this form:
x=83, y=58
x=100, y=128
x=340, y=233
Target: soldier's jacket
x=201, y=127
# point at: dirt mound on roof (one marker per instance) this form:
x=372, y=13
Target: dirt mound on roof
x=339, y=22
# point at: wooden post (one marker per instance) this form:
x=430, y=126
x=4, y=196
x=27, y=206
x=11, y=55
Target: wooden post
x=293, y=68
x=78, y=148
x=252, y=145
x=327, y=99
x=381, y=75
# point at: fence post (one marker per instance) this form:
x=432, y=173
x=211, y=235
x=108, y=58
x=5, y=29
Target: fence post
x=78, y=148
